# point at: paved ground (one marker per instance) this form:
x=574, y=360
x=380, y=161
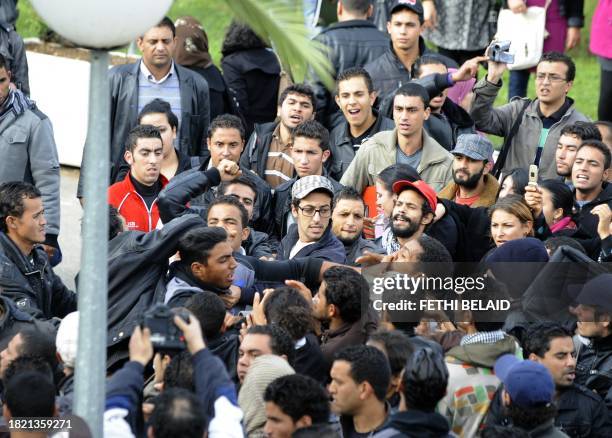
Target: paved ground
x=70, y=227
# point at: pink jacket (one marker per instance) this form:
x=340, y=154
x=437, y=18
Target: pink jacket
x=601, y=30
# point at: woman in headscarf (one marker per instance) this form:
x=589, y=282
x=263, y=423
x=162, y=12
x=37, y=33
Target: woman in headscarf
x=192, y=52
x=261, y=373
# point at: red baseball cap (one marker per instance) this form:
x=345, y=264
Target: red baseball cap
x=420, y=186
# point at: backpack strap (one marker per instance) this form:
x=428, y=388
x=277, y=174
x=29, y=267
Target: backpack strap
x=503, y=154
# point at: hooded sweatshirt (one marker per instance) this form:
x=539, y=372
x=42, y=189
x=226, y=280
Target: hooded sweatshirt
x=415, y=424
x=261, y=373
x=472, y=383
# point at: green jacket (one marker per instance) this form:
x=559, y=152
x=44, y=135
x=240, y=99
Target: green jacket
x=379, y=152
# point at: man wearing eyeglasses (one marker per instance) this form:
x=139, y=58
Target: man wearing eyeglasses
x=540, y=120
x=311, y=235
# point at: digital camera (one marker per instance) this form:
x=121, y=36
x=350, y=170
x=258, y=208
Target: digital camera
x=165, y=335
x=498, y=52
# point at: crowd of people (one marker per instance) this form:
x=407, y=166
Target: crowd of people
x=252, y=222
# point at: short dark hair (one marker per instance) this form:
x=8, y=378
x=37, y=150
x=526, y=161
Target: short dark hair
x=355, y=72
x=397, y=345
x=115, y=226
x=231, y=200
x=431, y=59
x=30, y=394
x=608, y=125
x=413, y=89
x=356, y=6
x=179, y=372
x=167, y=22
x=562, y=196
x=397, y=172
x=177, y=414
x=280, y=340
x=302, y=90
x=226, y=121
x=538, y=337
x=286, y=307
x=138, y=132
x=298, y=395
x=602, y=147
x=565, y=59
x=209, y=309
x=346, y=289
x=435, y=260
x=35, y=342
x=3, y=63
x=313, y=130
x=195, y=245
x=28, y=363
x=242, y=180
x=425, y=379
x=582, y=130
x=159, y=106
x=552, y=244
x=348, y=193
x=368, y=364
x=12, y=195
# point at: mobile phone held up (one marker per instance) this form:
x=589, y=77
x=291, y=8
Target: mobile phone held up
x=533, y=175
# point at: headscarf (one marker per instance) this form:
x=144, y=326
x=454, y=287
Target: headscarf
x=261, y=373
x=191, y=43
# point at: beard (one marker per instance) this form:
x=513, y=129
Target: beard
x=471, y=182
x=348, y=241
x=404, y=232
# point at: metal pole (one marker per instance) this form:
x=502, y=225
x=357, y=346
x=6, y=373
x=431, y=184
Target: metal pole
x=90, y=369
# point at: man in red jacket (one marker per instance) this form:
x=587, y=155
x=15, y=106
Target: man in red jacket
x=136, y=196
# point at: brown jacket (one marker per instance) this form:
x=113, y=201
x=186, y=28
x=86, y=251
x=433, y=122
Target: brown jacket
x=486, y=199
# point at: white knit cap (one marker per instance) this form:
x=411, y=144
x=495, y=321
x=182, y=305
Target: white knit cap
x=68, y=338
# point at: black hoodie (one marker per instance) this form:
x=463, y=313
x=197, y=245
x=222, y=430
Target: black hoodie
x=417, y=424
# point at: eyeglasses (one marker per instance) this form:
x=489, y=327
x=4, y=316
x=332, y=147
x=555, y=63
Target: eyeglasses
x=310, y=211
x=552, y=78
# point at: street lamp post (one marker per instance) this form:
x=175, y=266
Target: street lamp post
x=98, y=25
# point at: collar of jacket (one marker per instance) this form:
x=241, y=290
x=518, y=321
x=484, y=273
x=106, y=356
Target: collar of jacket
x=601, y=344
x=349, y=24
x=487, y=197
x=293, y=236
x=183, y=273
x=14, y=254
x=135, y=70
x=532, y=109
x=432, y=154
x=604, y=196
x=400, y=64
x=129, y=186
x=347, y=425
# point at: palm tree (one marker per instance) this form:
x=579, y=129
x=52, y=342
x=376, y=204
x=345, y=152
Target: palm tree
x=281, y=23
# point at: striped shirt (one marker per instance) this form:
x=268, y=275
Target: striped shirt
x=279, y=164
x=167, y=88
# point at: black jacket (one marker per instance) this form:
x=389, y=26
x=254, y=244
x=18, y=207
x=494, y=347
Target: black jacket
x=450, y=124
x=220, y=100
x=415, y=424
x=580, y=413
x=328, y=247
x=587, y=221
x=255, y=154
x=388, y=73
x=309, y=360
x=137, y=264
x=262, y=216
x=195, y=187
x=13, y=320
x=594, y=366
x=225, y=347
x=281, y=202
x=33, y=286
x=342, y=150
x=254, y=77
x=260, y=244
x=352, y=43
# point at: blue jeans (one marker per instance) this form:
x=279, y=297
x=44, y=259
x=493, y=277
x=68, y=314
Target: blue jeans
x=519, y=79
